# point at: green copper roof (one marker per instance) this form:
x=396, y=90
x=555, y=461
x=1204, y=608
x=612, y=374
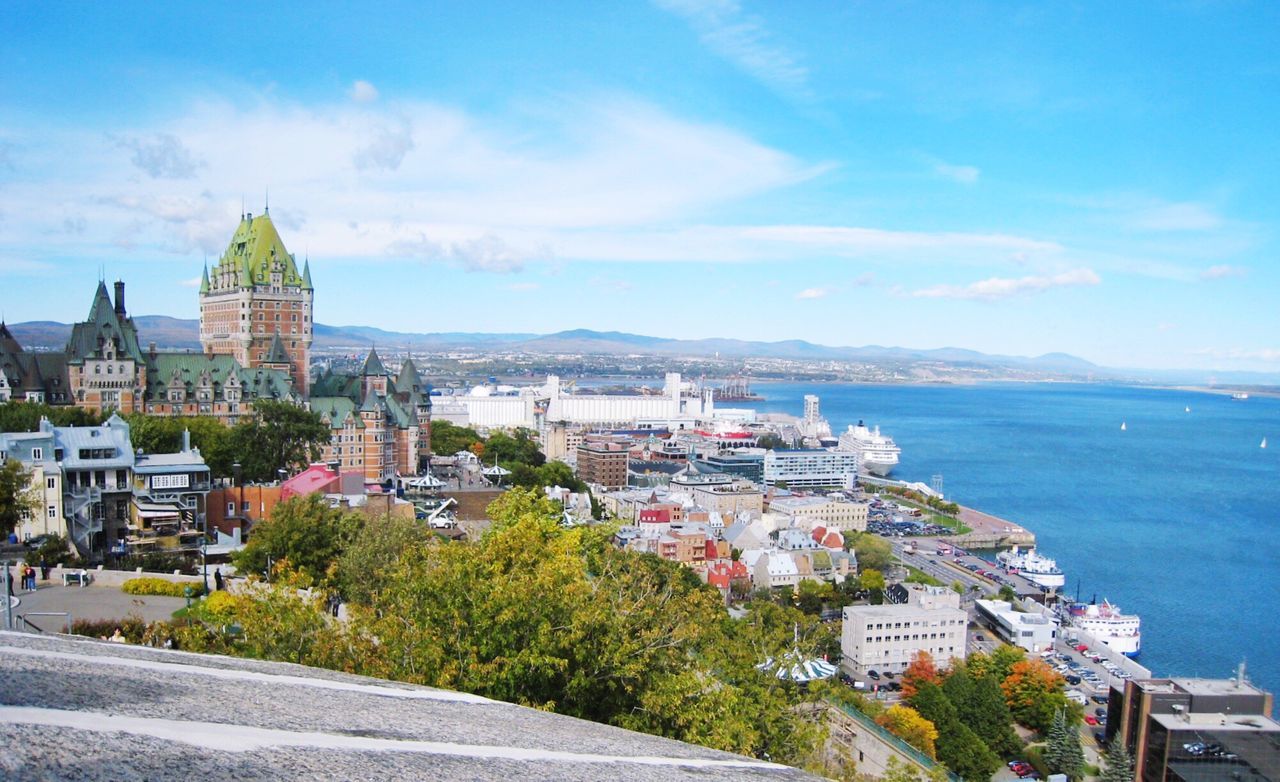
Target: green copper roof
x=306, y=274
x=277, y=354
x=255, y=251
x=102, y=326
x=204, y=280
x=373, y=364
x=337, y=409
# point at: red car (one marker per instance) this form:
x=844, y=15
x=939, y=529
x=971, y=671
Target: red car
x=1090, y=719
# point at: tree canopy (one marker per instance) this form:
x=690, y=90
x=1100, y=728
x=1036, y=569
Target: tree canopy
x=303, y=534
x=21, y=416
x=281, y=436
x=18, y=498
x=447, y=438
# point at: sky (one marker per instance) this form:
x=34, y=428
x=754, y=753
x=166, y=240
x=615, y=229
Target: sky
x=1100, y=179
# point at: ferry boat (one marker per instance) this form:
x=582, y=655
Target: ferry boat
x=1033, y=567
x=1239, y=396
x=877, y=453
x=1121, y=632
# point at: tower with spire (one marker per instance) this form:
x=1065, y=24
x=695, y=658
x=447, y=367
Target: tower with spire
x=255, y=304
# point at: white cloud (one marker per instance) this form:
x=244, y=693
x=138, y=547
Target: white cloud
x=965, y=175
x=387, y=148
x=193, y=282
x=163, y=157
x=744, y=40
x=996, y=288
x=362, y=92
x=1175, y=217
x=813, y=293
x=1222, y=271
x=863, y=280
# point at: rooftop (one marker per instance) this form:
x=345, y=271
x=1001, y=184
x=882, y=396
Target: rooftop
x=181, y=716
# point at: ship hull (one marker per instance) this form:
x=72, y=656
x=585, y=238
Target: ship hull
x=878, y=469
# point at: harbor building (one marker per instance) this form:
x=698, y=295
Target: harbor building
x=888, y=637
x=1189, y=730
x=810, y=469
x=1033, y=632
x=255, y=306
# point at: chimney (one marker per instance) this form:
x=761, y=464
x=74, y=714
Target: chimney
x=186, y=441
x=120, y=298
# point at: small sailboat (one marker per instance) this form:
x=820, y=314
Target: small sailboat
x=1122, y=426
x=1188, y=409
x=1264, y=443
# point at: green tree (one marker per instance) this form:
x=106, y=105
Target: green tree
x=447, y=438
x=372, y=552
x=872, y=551
x=1063, y=753
x=958, y=747
x=1117, y=763
x=281, y=436
x=1008, y=595
x=873, y=582
x=981, y=705
x=810, y=596
x=19, y=500
x=897, y=771
x=22, y=416
x=772, y=442
x=302, y=532
x=999, y=663
x=510, y=450
x=163, y=434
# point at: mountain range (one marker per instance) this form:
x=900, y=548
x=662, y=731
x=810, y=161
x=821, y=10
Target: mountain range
x=184, y=334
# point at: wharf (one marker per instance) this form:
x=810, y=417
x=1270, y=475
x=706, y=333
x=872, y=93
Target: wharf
x=990, y=531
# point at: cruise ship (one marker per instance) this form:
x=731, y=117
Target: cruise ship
x=877, y=453
x=1121, y=632
x=1033, y=567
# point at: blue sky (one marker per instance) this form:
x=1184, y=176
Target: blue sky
x=1094, y=178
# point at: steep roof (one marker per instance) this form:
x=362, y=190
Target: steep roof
x=407, y=381
x=277, y=354
x=373, y=403
x=373, y=365
x=8, y=343
x=255, y=250
x=188, y=368
x=337, y=409
x=103, y=326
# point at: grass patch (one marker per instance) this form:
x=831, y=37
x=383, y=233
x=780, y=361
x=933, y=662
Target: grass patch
x=917, y=576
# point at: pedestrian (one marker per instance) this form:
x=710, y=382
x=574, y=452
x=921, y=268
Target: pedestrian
x=44, y=570
x=9, y=579
x=28, y=578
x=217, y=579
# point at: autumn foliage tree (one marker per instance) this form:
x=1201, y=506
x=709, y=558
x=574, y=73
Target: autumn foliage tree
x=1034, y=693
x=907, y=724
x=921, y=669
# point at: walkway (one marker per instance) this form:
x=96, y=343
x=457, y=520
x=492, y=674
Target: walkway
x=92, y=602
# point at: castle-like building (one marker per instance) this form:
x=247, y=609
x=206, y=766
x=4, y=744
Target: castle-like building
x=256, y=332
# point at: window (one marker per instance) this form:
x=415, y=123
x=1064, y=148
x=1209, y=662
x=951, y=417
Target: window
x=37, y=454
x=231, y=509
x=51, y=483
x=244, y=507
x=53, y=512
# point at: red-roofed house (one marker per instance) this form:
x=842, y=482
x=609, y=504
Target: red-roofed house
x=318, y=478
x=829, y=538
x=722, y=573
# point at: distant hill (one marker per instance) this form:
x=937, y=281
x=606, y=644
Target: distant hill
x=179, y=334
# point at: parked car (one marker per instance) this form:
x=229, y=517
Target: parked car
x=873, y=675
x=1090, y=719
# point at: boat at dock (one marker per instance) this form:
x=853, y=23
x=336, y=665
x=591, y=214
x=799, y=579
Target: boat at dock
x=877, y=453
x=1119, y=631
x=1239, y=396
x=1032, y=566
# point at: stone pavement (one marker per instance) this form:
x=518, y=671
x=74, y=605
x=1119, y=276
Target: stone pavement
x=91, y=602
x=89, y=710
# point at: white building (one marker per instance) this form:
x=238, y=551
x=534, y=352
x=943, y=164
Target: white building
x=1033, y=632
x=888, y=637
x=675, y=405
x=35, y=451
x=832, y=512
x=811, y=469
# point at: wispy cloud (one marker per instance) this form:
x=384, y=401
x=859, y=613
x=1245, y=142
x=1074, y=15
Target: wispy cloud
x=192, y=282
x=1222, y=271
x=1239, y=354
x=362, y=92
x=813, y=293
x=965, y=175
x=996, y=288
x=744, y=40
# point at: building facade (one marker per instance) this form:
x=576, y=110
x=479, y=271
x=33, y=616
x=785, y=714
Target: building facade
x=602, y=461
x=256, y=307
x=810, y=469
x=834, y=512
x=888, y=637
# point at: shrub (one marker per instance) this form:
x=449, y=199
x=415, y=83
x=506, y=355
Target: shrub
x=158, y=586
x=157, y=562
x=131, y=627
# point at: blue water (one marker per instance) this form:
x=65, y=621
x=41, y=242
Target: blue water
x=1176, y=519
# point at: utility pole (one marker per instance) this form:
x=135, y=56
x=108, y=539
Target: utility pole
x=8, y=601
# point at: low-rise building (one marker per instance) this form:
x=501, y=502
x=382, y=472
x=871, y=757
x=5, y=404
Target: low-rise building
x=1031, y=631
x=888, y=637
x=169, y=502
x=832, y=512
x=35, y=452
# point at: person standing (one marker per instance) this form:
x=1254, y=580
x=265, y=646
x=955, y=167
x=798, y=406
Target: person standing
x=44, y=570
x=217, y=579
